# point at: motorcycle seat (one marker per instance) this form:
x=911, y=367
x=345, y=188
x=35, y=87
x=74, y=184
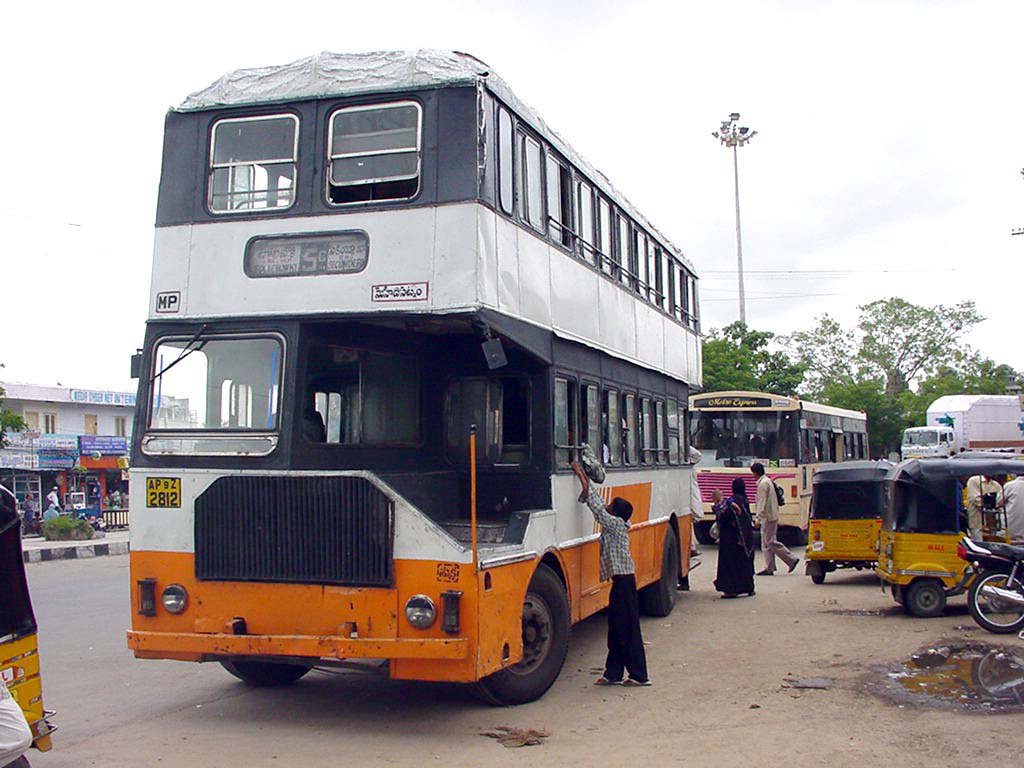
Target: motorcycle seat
x=1004, y=550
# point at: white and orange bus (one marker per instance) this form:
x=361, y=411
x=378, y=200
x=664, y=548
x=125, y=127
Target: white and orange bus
x=789, y=436
x=359, y=259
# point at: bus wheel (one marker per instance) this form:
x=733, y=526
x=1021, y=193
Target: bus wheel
x=816, y=571
x=925, y=598
x=702, y=531
x=545, y=644
x=659, y=598
x=264, y=673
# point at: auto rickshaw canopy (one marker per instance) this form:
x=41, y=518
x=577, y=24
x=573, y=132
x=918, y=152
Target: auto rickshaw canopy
x=850, y=490
x=16, y=617
x=926, y=495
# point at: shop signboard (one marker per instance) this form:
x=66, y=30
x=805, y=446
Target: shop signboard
x=106, y=445
x=23, y=441
x=57, y=451
x=57, y=443
x=95, y=397
x=18, y=460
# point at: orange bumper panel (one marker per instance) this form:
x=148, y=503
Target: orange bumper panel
x=194, y=645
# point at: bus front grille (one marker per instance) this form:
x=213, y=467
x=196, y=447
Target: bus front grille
x=316, y=530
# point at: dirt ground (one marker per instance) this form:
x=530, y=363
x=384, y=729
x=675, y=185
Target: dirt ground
x=718, y=699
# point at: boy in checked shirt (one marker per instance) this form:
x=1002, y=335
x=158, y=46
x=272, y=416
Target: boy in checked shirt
x=625, y=643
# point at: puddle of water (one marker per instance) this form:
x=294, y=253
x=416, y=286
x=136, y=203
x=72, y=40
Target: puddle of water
x=971, y=677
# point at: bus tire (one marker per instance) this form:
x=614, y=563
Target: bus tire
x=702, y=530
x=265, y=673
x=816, y=571
x=545, y=644
x=659, y=598
x=925, y=598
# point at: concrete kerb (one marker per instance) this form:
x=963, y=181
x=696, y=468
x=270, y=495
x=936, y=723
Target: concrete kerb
x=63, y=550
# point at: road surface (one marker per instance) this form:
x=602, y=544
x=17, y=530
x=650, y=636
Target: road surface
x=718, y=698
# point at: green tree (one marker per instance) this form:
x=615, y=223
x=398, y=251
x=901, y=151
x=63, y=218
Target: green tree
x=9, y=420
x=895, y=340
x=886, y=414
x=827, y=353
x=902, y=340
x=971, y=375
x=736, y=357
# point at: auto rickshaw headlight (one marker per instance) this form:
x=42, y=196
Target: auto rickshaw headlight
x=420, y=611
x=174, y=598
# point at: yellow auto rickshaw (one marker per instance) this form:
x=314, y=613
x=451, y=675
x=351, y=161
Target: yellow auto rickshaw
x=924, y=520
x=19, y=656
x=846, y=513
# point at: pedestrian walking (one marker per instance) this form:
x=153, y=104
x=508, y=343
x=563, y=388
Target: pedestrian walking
x=767, y=511
x=625, y=641
x=735, y=575
x=52, y=499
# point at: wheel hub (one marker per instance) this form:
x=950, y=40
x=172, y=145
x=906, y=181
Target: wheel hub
x=537, y=627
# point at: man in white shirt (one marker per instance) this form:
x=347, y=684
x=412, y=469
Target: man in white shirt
x=1013, y=494
x=766, y=508
x=977, y=488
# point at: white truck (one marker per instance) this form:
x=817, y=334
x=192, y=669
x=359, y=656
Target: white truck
x=969, y=422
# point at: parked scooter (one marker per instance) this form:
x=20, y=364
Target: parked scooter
x=996, y=597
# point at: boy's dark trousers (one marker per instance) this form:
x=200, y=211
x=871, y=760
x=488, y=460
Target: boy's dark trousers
x=625, y=643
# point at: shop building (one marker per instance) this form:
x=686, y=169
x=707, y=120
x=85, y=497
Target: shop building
x=75, y=439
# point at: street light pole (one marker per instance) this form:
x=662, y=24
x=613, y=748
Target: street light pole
x=734, y=136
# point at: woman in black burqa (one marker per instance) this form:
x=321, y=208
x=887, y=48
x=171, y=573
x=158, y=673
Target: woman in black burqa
x=735, y=542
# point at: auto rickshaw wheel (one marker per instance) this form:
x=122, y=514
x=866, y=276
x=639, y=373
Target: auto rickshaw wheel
x=925, y=598
x=897, y=594
x=816, y=571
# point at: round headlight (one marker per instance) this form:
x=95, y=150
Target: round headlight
x=174, y=598
x=420, y=611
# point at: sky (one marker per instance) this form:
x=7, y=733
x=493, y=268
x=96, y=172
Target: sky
x=887, y=160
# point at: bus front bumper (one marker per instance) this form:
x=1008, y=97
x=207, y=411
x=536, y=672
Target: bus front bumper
x=196, y=646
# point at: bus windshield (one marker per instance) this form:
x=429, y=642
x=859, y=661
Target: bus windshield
x=735, y=439
x=210, y=383
x=922, y=437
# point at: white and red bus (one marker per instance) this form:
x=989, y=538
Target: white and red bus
x=789, y=436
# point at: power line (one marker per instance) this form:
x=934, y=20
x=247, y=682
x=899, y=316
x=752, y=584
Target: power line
x=776, y=296
x=828, y=272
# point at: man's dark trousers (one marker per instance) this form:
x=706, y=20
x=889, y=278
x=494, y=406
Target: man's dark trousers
x=625, y=643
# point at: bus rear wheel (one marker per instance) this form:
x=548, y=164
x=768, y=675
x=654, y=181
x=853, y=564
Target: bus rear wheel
x=659, y=598
x=545, y=644
x=265, y=673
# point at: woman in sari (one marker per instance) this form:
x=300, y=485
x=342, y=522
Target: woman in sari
x=735, y=542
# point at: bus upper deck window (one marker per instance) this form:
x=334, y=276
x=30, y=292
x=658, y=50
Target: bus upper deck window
x=374, y=153
x=252, y=164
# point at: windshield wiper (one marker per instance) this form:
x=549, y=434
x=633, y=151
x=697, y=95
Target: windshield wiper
x=187, y=350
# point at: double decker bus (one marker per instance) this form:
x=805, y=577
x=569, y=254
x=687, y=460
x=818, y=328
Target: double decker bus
x=789, y=436
x=388, y=306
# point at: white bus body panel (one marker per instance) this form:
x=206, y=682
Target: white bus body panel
x=468, y=256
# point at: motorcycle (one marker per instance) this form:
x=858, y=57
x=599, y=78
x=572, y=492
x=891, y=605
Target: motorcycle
x=996, y=596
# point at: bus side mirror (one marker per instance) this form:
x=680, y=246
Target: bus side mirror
x=136, y=365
